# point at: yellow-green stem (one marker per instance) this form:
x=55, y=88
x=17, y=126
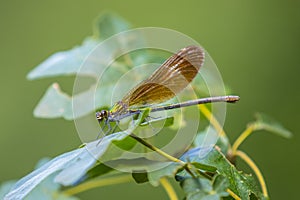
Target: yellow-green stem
x=162, y=153
x=98, y=183
x=236, y=197
x=206, y=112
x=184, y=164
x=255, y=169
x=154, y=148
x=216, y=125
x=169, y=189
x=242, y=138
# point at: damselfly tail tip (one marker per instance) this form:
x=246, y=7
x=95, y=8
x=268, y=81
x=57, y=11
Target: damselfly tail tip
x=232, y=99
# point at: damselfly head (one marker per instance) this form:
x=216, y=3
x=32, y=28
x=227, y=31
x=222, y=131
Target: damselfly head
x=101, y=115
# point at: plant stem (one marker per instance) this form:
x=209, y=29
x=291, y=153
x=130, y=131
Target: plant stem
x=186, y=166
x=206, y=112
x=164, y=154
x=255, y=169
x=242, y=137
x=169, y=189
x=98, y=183
x=236, y=197
x=154, y=148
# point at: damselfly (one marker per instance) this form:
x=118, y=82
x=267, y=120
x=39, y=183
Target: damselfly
x=169, y=79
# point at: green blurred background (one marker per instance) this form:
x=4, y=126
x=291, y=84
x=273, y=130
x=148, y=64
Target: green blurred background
x=255, y=45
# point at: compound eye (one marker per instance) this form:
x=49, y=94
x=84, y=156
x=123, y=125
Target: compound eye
x=99, y=116
x=103, y=113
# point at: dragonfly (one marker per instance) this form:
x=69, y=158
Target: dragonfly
x=172, y=77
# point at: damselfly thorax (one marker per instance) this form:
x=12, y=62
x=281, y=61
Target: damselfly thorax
x=119, y=111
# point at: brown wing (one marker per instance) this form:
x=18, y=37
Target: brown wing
x=169, y=79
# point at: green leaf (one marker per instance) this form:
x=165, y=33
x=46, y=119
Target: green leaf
x=87, y=60
x=109, y=24
x=196, y=188
x=111, y=147
x=54, y=104
x=29, y=182
x=240, y=183
x=46, y=190
x=69, y=62
x=104, y=151
x=116, y=148
x=140, y=177
x=6, y=187
x=168, y=121
x=220, y=185
x=142, y=116
x=145, y=56
x=170, y=170
x=98, y=170
x=49, y=190
x=204, y=189
x=264, y=122
x=223, y=143
x=72, y=166
x=66, y=62
x=203, y=167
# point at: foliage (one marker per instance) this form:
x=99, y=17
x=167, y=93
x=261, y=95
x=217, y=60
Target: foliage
x=211, y=177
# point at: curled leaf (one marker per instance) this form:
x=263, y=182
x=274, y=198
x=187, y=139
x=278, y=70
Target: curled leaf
x=264, y=122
